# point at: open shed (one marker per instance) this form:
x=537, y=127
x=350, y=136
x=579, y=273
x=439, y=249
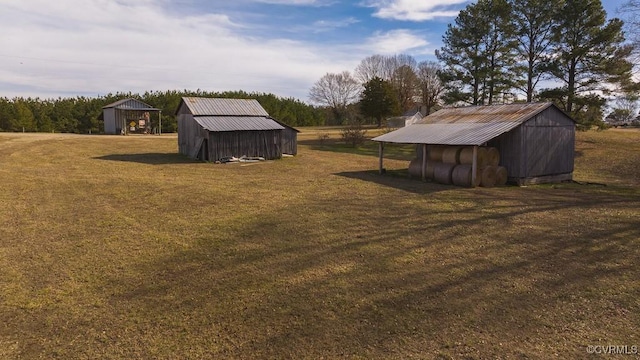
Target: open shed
x=210, y=129
x=536, y=141
x=128, y=116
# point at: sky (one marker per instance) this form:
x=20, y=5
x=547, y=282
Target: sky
x=68, y=48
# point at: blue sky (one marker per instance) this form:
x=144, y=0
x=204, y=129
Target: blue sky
x=92, y=47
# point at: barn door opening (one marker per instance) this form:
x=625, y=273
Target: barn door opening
x=203, y=152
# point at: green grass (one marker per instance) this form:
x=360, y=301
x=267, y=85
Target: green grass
x=119, y=248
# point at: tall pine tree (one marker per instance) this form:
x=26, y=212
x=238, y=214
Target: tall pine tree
x=589, y=58
x=478, y=53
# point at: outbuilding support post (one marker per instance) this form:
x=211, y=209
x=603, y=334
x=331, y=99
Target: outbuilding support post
x=381, y=152
x=424, y=162
x=474, y=166
x=160, y=122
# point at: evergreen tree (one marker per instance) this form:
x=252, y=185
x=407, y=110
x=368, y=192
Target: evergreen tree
x=378, y=100
x=533, y=21
x=589, y=57
x=478, y=53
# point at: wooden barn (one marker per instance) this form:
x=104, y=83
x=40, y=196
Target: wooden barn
x=535, y=141
x=210, y=129
x=129, y=116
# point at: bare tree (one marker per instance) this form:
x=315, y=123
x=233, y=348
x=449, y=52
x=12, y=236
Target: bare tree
x=371, y=67
x=401, y=70
x=336, y=91
x=430, y=85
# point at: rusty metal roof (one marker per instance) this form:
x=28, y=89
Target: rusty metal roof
x=199, y=106
x=130, y=104
x=472, y=125
x=518, y=113
x=237, y=123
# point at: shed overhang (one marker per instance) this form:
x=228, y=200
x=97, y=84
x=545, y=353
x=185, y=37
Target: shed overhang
x=448, y=133
x=237, y=123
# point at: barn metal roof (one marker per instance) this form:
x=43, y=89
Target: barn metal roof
x=237, y=123
x=130, y=104
x=199, y=106
x=472, y=125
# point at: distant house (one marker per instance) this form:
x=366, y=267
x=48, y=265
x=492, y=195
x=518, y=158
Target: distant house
x=535, y=140
x=210, y=129
x=408, y=118
x=128, y=116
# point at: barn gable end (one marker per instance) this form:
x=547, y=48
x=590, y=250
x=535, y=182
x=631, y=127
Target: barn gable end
x=130, y=116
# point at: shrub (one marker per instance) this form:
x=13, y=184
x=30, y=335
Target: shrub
x=322, y=138
x=353, y=134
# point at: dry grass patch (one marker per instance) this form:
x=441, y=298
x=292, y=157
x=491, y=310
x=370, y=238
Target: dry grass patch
x=117, y=248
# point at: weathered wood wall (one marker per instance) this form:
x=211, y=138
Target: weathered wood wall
x=289, y=141
x=265, y=143
x=543, y=146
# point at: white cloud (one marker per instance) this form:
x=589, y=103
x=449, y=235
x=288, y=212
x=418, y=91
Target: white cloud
x=94, y=47
x=396, y=42
x=415, y=10
x=297, y=2
x=328, y=25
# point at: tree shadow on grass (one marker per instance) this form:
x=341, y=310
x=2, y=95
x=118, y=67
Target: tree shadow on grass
x=368, y=148
x=397, y=179
x=149, y=158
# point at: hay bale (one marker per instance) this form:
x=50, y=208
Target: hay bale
x=493, y=156
x=482, y=157
x=435, y=152
x=442, y=172
x=451, y=155
x=488, y=177
x=430, y=168
x=466, y=156
x=501, y=176
x=461, y=176
x=415, y=168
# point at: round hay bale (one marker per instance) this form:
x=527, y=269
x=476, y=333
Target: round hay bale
x=451, y=155
x=466, y=155
x=461, y=175
x=482, y=157
x=442, y=172
x=501, y=176
x=435, y=152
x=415, y=168
x=493, y=156
x=430, y=168
x=488, y=178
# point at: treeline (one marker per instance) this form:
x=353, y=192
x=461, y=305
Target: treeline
x=81, y=114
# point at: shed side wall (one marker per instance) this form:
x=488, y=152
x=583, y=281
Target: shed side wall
x=289, y=141
x=549, y=144
x=109, y=116
x=265, y=143
x=190, y=135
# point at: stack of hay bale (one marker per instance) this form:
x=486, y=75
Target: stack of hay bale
x=453, y=165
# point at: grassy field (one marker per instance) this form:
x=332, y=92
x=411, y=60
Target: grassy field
x=119, y=248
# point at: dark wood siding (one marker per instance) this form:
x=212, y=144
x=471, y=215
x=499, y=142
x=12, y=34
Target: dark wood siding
x=541, y=147
x=289, y=141
x=190, y=135
x=266, y=143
